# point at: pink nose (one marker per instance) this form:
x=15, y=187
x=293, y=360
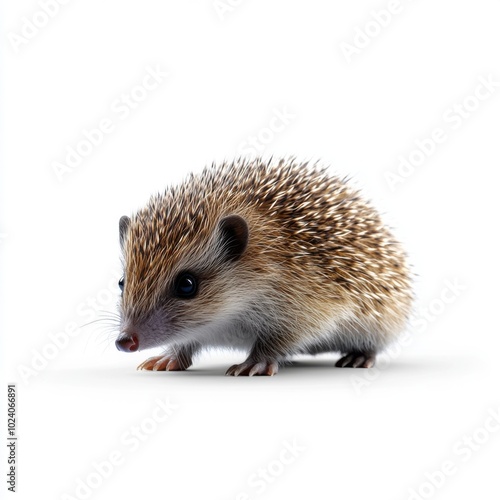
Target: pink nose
x=127, y=342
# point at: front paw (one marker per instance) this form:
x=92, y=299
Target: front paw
x=166, y=362
x=251, y=368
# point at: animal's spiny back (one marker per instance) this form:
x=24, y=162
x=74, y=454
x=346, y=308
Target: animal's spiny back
x=309, y=217
x=307, y=203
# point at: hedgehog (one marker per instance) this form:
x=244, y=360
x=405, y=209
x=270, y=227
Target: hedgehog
x=274, y=258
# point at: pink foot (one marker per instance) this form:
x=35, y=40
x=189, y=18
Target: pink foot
x=167, y=363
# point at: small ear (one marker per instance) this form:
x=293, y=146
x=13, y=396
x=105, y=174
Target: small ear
x=124, y=224
x=234, y=236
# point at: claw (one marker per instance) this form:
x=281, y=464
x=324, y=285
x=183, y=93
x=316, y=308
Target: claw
x=356, y=360
x=251, y=368
x=166, y=363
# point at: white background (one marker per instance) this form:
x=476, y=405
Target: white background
x=362, y=434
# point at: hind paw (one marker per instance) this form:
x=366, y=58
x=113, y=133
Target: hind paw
x=356, y=360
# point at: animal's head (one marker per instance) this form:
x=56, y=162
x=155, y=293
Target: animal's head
x=184, y=270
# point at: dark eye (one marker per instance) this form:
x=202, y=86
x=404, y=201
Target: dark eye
x=121, y=283
x=186, y=286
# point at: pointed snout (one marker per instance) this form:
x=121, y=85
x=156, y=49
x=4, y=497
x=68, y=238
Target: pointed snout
x=127, y=342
